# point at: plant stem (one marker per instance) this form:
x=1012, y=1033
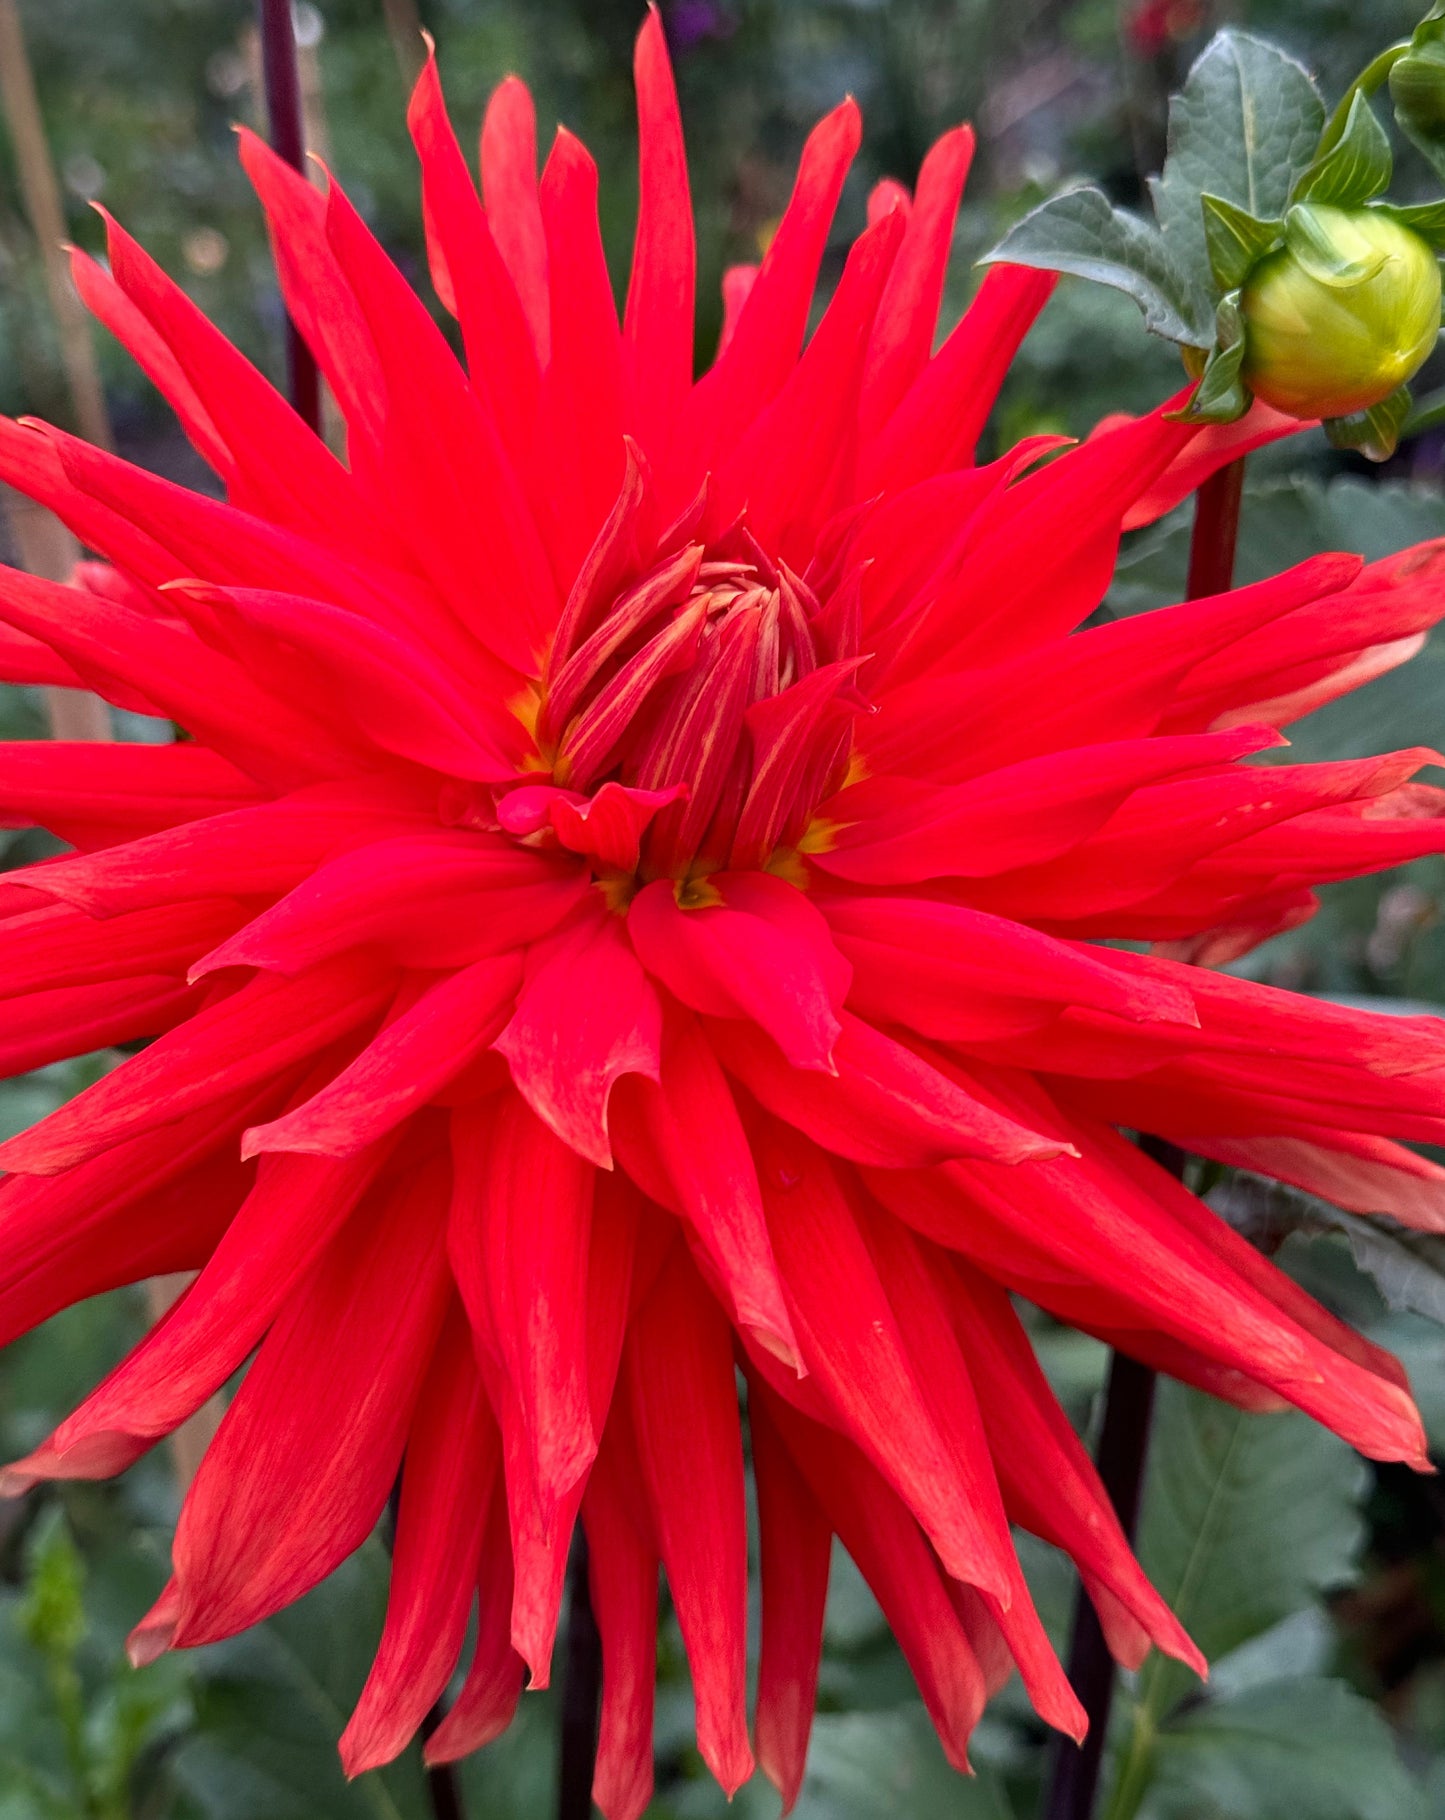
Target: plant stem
x=581, y=1693
x=1129, y=1394
x=282, y=79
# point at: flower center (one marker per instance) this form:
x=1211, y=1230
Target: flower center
x=716, y=691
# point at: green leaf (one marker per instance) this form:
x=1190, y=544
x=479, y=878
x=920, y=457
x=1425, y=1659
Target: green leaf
x=1247, y=1518
x=1309, y=1748
x=861, y=1765
x=1375, y=433
x=1235, y=240
x=1243, y=129
x=1427, y=219
x=1082, y=233
x=1408, y=1267
x=272, y=1703
x=1354, y=170
x=1222, y=395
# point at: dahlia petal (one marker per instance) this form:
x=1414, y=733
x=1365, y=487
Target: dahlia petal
x=924, y=1322
x=883, y=1105
x=796, y=1544
x=793, y=465
x=607, y=826
x=121, y=654
x=489, y=1694
x=891, y=1553
x=245, y=852
x=583, y=385
x=289, y=1217
x=660, y=296
x=1297, y=663
x=501, y=354
x=764, y=953
x=939, y=419
x=627, y=614
x=513, y=202
x=110, y=305
x=737, y=287
x=678, y=1362
x=250, y=1036
x=1049, y=1482
x=440, y=899
x=1219, y=444
x=94, y=793
x=52, y=1025
x=541, y=1538
x=893, y=830
x=760, y=351
x=622, y=1578
x=442, y=458
x=24, y=659
x=277, y=465
x=711, y=1183
x=850, y=1341
x=318, y=299
x=402, y=1068
x=156, y=1204
x=592, y=736
x=1024, y=584
x=396, y=694
x=1386, y=1179
x=902, y=338
x=534, y=1230
x=586, y=1016
x=934, y=966
x=308, y=1450
x=448, y=1483
x=781, y=730
x=1114, y=681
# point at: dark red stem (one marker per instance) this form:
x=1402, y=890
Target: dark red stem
x=282, y=78
x=581, y=1693
x=1129, y=1393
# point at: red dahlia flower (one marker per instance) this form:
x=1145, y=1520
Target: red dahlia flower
x=628, y=910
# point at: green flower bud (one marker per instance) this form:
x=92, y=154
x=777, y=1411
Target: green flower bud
x=1417, y=88
x=1344, y=313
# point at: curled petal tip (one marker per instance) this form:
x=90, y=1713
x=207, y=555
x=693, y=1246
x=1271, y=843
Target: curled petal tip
x=148, y=1642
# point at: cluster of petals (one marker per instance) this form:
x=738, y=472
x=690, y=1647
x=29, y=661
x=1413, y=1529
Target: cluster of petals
x=654, y=930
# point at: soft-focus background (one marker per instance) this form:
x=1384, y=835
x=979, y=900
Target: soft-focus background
x=1316, y=1584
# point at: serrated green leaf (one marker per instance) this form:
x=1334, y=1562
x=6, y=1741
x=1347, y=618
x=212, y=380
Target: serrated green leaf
x=1408, y=1268
x=1082, y=233
x=1356, y=169
x=1235, y=240
x=1244, y=127
x=1310, y=1748
x=1375, y=433
x=1247, y=1518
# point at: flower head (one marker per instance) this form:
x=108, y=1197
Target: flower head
x=1347, y=310
x=630, y=907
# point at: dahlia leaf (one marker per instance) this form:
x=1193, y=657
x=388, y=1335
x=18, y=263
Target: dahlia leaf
x=1355, y=169
x=862, y=1764
x=1374, y=433
x=1309, y=1747
x=1083, y=234
x=1244, y=127
x=1234, y=239
x=1247, y=1518
x=270, y=1704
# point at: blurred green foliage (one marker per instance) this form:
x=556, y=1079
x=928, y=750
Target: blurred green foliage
x=1317, y=1583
